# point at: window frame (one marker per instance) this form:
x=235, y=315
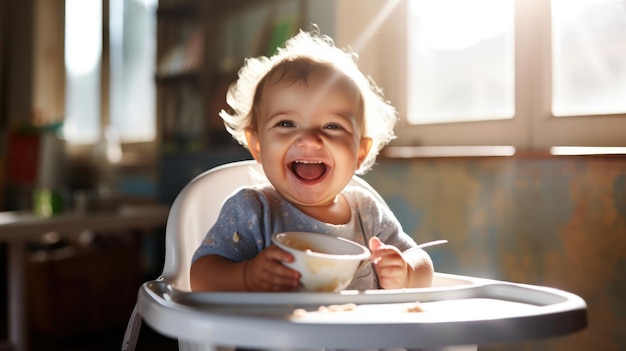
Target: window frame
x=134, y=153
x=533, y=127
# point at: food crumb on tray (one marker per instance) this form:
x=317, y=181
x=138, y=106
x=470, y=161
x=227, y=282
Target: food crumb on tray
x=299, y=312
x=414, y=307
x=337, y=308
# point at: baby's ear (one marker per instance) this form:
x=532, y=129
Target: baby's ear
x=253, y=143
x=364, y=150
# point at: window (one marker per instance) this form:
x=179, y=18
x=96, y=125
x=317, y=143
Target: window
x=589, y=57
x=461, y=62
x=83, y=57
x=110, y=84
x=532, y=74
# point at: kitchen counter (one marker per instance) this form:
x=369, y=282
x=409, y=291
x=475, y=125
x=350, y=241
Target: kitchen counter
x=17, y=228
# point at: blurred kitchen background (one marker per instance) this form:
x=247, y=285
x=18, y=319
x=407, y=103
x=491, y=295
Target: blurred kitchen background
x=510, y=142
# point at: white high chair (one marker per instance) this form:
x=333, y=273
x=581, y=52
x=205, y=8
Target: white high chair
x=203, y=321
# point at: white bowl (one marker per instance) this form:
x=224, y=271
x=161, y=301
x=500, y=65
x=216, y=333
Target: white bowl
x=326, y=262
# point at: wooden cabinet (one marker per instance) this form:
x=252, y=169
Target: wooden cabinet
x=201, y=45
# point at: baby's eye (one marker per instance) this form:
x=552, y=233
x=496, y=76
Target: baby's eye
x=286, y=124
x=333, y=126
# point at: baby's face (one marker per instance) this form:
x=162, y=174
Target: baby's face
x=309, y=139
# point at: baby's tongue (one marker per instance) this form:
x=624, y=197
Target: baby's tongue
x=309, y=171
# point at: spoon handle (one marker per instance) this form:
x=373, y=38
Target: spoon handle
x=426, y=244
x=431, y=243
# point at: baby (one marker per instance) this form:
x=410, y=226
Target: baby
x=312, y=120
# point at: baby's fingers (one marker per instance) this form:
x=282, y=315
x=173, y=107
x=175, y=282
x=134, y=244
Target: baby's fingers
x=270, y=274
x=392, y=276
x=281, y=279
x=274, y=253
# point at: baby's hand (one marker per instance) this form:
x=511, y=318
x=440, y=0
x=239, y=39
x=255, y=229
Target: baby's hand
x=389, y=264
x=265, y=272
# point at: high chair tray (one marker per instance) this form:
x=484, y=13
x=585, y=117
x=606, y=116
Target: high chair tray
x=460, y=310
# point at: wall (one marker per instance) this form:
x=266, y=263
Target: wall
x=559, y=222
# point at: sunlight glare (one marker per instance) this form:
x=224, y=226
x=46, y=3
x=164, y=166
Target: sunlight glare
x=459, y=24
x=565, y=11
x=375, y=24
x=83, y=35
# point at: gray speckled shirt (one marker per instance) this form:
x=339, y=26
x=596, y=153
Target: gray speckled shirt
x=252, y=215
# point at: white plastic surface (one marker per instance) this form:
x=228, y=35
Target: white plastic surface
x=462, y=310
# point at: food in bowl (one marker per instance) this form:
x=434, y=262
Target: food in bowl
x=327, y=263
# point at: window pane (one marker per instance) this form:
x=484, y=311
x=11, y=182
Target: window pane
x=83, y=49
x=461, y=60
x=589, y=57
x=133, y=57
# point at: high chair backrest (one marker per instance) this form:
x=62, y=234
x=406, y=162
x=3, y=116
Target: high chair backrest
x=196, y=208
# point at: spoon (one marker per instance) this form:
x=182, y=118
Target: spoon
x=426, y=244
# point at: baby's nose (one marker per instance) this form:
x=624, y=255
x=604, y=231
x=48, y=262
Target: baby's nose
x=309, y=139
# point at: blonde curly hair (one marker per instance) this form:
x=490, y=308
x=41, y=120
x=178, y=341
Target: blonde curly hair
x=379, y=115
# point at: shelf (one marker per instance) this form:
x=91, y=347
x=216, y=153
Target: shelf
x=230, y=6
x=182, y=77
x=180, y=10
x=191, y=9
x=191, y=77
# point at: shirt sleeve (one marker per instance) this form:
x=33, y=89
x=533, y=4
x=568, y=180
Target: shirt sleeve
x=236, y=235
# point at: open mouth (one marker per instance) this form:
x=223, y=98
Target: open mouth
x=308, y=170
